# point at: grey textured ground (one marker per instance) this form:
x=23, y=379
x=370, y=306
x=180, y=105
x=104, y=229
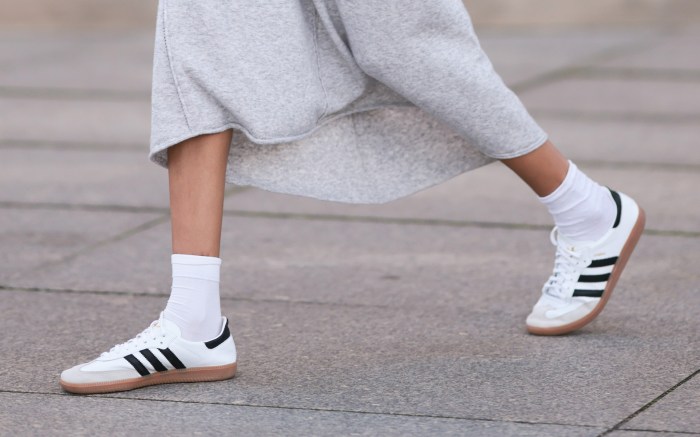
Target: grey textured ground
x=400, y=319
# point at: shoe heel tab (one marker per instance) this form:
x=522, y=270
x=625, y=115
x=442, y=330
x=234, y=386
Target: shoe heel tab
x=618, y=203
x=225, y=334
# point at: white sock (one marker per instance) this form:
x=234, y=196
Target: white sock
x=194, y=304
x=582, y=209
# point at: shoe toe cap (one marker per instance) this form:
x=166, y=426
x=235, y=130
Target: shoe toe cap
x=548, y=316
x=90, y=373
x=74, y=375
x=538, y=318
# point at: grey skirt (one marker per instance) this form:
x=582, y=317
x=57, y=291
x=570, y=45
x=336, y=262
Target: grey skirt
x=347, y=100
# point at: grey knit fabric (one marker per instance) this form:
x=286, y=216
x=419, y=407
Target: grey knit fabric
x=361, y=101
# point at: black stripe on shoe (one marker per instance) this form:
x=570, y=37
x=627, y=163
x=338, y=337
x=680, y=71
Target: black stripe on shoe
x=174, y=360
x=594, y=278
x=603, y=262
x=588, y=293
x=143, y=371
x=147, y=354
x=211, y=344
x=618, y=203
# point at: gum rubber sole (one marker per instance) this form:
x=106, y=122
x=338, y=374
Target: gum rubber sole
x=195, y=374
x=627, y=250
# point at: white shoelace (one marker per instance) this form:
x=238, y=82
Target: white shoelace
x=154, y=330
x=568, y=265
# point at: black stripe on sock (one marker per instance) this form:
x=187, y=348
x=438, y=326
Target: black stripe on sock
x=211, y=344
x=618, y=202
x=143, y=371
x=153, y=360
x=603, y=262
x=167, y=353
x=594, y=278
x=588, y=293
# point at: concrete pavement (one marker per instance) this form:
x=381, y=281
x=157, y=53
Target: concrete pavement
x=399, y=319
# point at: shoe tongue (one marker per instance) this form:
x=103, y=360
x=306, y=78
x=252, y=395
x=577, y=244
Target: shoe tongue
x=167, y=326
x=572, y=245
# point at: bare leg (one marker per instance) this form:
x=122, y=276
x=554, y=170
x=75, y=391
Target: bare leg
x=193, y=314
x=543, y=169
x=197, y=169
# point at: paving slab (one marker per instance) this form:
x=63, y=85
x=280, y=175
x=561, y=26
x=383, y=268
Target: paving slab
x=26, y=414
x=596, y=13
x=494, y=194
x=678, y=411
x=669, y=52
x=29, y=46
x=444, y=362
x=388, y=265
x=105, y=63
x=13, y=52
x=300, y=260
x=75, y=120
x=612, y=142
x=98, y=14
x=31, y=238
x=521, y=56
x=614, y=96
x=82, y=176
x=73, y=145
x=629, y=433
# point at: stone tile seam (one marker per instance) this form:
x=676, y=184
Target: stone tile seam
x=96, y=293
x=10, y=288
x=429, y=222
x=292, y=408
x=117, y=148
x=619, y=425
x=322, y=217
x=59, y=144
x=682, y=119
x=580, y=66
x=98, y=244
x=638, y=165
x=74, y=94
x=656, y=431
x=86, y=207
x=674, y=75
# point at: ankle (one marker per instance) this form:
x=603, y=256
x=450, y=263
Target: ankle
x=194, y=303
x=582, y=209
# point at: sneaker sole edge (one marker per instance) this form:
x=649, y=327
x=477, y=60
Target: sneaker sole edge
x=196, y=374
x=625, y=254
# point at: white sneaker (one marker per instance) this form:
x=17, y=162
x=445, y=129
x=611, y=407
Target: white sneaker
x=585, y=274
x=158, y=355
